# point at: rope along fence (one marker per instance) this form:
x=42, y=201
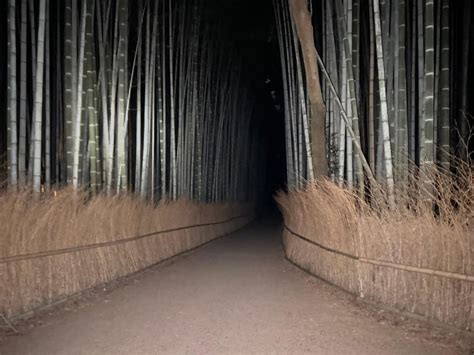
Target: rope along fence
x=446, y=274
x=76, y=249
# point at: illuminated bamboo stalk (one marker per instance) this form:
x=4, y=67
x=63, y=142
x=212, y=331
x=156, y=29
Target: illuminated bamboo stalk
x=412, y=87
x=427, y=152
x=31, y=125
x=383, y=105
x=47, y=105
x=80, y=82
x=12, y=97
x=147, y=110
x=39, y=98
x=303, y=107
x=444, y=127
x=401, y=94
x=23, y=94
x=120, y=168
x=90, y=91
x=346, y=120
x=289, y=148
x=138, y=117
x=371, y=112
x=347, y=33
x=173, y=172
x=164, y=163
x=465, y=61
x=160, y=117
x=352, y=93
x=297, y=136
x=421, y=86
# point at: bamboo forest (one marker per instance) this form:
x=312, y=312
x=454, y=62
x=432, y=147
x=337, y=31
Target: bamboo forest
x=112, y=98
x=331, y=135
x=395, y=83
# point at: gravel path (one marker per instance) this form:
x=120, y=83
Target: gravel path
x=235, y=295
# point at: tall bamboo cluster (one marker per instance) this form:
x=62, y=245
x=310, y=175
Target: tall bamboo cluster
x=117, y=95
x=400, y=61
x=297, y=132
x=388, y=75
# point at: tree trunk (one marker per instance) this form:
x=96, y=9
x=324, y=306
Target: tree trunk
x=304, y=28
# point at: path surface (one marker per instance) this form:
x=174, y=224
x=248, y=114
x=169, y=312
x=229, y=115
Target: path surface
x=235, y=295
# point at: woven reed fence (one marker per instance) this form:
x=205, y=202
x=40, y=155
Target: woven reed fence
x=413, y=263
x=50, y=266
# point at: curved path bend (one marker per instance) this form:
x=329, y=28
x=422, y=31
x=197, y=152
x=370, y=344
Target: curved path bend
x=235, y=295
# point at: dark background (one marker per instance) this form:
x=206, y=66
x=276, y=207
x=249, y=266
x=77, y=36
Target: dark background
x=251, y=26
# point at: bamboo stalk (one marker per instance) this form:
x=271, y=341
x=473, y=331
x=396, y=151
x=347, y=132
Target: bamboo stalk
x=39, y=98
x=12, y=97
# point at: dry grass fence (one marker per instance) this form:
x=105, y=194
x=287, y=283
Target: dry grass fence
x=33, y=275
x=417, y=257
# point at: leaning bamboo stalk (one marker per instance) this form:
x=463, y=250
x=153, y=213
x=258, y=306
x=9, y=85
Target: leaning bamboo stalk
x=401, y=96
x=383, y=105
x=138, y=117
x=103, y=90
x=114, y=78
x=303, y=108
x=31, y=126
x=343, y=113
x=122, y=106
x=90, y=92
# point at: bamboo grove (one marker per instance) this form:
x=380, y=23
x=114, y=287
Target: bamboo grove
x=117, y=95
x=394, y=81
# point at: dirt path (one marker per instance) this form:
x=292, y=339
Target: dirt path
x=235, y=295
